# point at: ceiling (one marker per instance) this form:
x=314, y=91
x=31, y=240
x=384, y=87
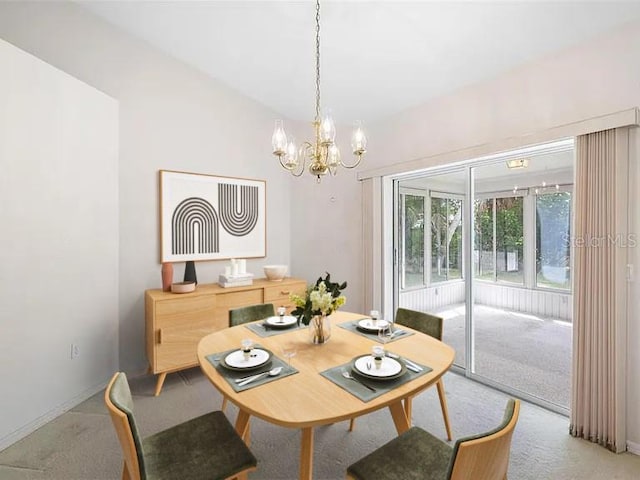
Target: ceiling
x=377, y=58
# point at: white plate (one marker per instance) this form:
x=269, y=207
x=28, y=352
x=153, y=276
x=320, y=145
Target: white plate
x=368, y=324
x=388, y=368
x=237, y=360
x=284, y=322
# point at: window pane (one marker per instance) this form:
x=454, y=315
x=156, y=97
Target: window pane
x=483, y=261
x=413, y=244
x=509, y=240
x=553, y=224
x=446, y=239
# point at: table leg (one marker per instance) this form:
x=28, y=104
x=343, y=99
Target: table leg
x=242, y=426
x=306, y=454
x=399, y=416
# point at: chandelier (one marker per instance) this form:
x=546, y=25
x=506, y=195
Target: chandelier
x=322, y=154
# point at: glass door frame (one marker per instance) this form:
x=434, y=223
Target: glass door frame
x=468, y=370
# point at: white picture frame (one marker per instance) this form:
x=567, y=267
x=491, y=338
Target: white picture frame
x=208, y=217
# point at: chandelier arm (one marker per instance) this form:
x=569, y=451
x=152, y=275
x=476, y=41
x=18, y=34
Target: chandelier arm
x=299, y=174
x=354, y=165
x=280, y=157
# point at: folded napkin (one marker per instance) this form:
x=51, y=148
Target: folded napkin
x=352, y=326
x=381, y=386
x=230, y=376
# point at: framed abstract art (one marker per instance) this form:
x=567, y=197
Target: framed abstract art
x=205, y=217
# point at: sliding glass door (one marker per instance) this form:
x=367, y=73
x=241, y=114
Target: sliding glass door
x=487, y=247
x=431, y=246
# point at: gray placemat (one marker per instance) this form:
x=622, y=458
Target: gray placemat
x=262, y=330
x=352, y=326
x=382, y=386
x=231, y=375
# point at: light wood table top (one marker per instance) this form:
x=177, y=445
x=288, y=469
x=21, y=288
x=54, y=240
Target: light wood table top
x=307, y=399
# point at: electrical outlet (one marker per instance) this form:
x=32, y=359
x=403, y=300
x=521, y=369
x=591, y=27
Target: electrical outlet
x=75, y=351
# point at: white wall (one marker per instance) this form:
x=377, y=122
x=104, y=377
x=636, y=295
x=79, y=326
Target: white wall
x=171, y=117
x=59, y=242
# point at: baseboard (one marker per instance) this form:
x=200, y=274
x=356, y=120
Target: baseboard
x=31, y=427
x=633, y=447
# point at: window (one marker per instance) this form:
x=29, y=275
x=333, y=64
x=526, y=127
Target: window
x=446, y=238
x=509, y=240
x=553, y=233
x=483, y=255
x=412, y=240
x=499, y=239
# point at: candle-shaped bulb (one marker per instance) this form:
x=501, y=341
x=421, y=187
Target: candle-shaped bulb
x=333, y=156
x=279, y=139
x=358, y=141
x=291, y=156
x=327, y=130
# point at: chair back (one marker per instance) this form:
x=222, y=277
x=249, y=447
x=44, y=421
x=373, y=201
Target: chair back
x=423, y=322
x=238, y=316
x=485, y=456
x=118, y=399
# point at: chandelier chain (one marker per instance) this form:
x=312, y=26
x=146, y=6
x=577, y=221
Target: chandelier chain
x=317, y=60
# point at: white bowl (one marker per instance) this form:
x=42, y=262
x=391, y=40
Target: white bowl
x=275, y=273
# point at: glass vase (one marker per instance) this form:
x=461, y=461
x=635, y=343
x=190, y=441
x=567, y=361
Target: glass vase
x=319, y=329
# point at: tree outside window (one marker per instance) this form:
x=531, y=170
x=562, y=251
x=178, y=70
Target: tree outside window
x=446, y=239
x=412, y=241
x=499, y=239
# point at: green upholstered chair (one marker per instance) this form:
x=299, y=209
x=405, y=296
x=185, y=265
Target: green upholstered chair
x=416, y=454
x=430, y=325
x=238, y=316
x=206, y=447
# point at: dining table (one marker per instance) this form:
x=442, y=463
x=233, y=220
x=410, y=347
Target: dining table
x=308, y=398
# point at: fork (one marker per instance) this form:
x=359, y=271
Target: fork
x=346, y=374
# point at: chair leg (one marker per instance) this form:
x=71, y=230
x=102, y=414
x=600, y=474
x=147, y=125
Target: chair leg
x=352, y=423
x=445, y=410
x=224, y=404
x=242, y=476
x=125, y=472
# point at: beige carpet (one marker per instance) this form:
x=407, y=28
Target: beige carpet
x=81, y=444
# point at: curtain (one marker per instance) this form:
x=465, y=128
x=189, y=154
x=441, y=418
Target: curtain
x=599, y=298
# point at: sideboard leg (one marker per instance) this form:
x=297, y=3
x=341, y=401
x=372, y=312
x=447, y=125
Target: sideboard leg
x=161, y=378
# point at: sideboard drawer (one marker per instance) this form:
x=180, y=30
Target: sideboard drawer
x=239, y=299
x=280, y=293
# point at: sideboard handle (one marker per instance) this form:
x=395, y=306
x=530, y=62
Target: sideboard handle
x=282, y=292
x=159, y=336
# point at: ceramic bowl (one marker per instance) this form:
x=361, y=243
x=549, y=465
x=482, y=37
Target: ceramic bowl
x=183, y=287
x=275, y=273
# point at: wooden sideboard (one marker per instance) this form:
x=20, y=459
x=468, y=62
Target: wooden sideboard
x=175, y=323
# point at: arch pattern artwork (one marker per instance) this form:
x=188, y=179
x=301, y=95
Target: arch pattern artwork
x=239, y=214
x=194, y=207
x=194, y=227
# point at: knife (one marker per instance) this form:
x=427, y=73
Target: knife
x=398, y=333
x=252, y=379
x=410, y=365
x=242, y=379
